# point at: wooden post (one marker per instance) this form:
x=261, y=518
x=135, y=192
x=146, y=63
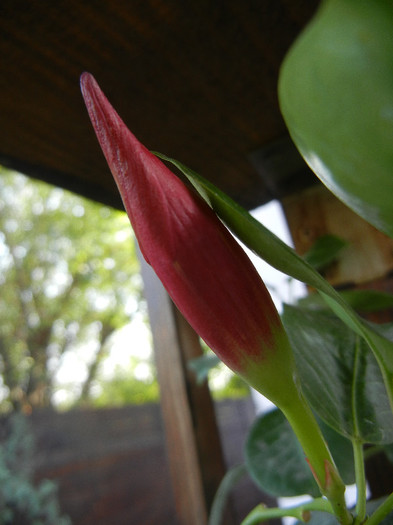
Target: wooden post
x=193, y=444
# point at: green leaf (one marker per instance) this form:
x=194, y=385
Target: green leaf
x=368, y=300
x=324, y=251
x=202, y=365
x=275, y=458
x=339, y=375
x=276, y=253
x=359, y=300
x=276, y=462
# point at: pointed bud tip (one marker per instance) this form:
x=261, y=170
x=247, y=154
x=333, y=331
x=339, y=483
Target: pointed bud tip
x=89, y=86
x=85, y=79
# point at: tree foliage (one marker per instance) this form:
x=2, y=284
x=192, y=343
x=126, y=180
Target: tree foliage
x=68, y=275
x=22, y=500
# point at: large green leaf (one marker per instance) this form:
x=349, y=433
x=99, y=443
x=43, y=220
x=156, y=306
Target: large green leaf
x=275, y=458
x=279, y=255
x=340, y=376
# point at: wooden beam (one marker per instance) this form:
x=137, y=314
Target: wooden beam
x=281, y=168
x=193, y=444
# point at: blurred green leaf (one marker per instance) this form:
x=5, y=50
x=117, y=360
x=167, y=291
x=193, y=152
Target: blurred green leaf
x=276, y=461
x=359, y=300
x=275, y=458
x=324, y=251
x=339, y=375
x=368, y=300
x=202, y=365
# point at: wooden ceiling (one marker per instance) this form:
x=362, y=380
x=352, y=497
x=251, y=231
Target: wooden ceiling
x=195, y=80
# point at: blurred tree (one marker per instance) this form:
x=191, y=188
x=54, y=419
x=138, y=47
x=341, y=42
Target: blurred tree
x=135, y=384
x=68, y=275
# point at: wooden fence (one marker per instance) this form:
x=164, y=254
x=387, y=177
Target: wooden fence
x=111, y=467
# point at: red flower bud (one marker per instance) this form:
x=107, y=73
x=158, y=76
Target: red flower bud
x=203, y=268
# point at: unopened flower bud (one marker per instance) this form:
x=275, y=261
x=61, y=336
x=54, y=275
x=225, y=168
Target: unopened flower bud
x=203, y=268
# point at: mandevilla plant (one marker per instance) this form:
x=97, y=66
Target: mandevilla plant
x=210, y=279
x=327, y=370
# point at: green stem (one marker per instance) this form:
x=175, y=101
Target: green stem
x=300, y=512
x=360, y=476
x=357, y=446
x=382, y=511
x=231, y=478
x=318, y=455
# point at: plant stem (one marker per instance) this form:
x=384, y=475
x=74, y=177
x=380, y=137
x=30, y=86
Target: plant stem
x=307, y=430
x=231, y=478
x=357, y=446
x=360, y=476
x=382, y=511
x=300, y=512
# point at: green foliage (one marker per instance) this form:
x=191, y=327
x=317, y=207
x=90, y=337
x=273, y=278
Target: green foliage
x=324, y=251
x=223, y=383
x=275, y=460
x=126, y=388
x=231, y=387
x=201, y=366
x=334, y=88
x=20, y=500
x=69, y=275
x=339, y=376
x=360, y=300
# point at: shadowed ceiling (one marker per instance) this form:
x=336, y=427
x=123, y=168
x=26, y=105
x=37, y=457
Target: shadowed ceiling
x=195, y=80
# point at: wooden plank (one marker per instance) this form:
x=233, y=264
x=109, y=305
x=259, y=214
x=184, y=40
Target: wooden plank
x=193, y=444
x=281, y=168
x=111, y=466
x=195, y=80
